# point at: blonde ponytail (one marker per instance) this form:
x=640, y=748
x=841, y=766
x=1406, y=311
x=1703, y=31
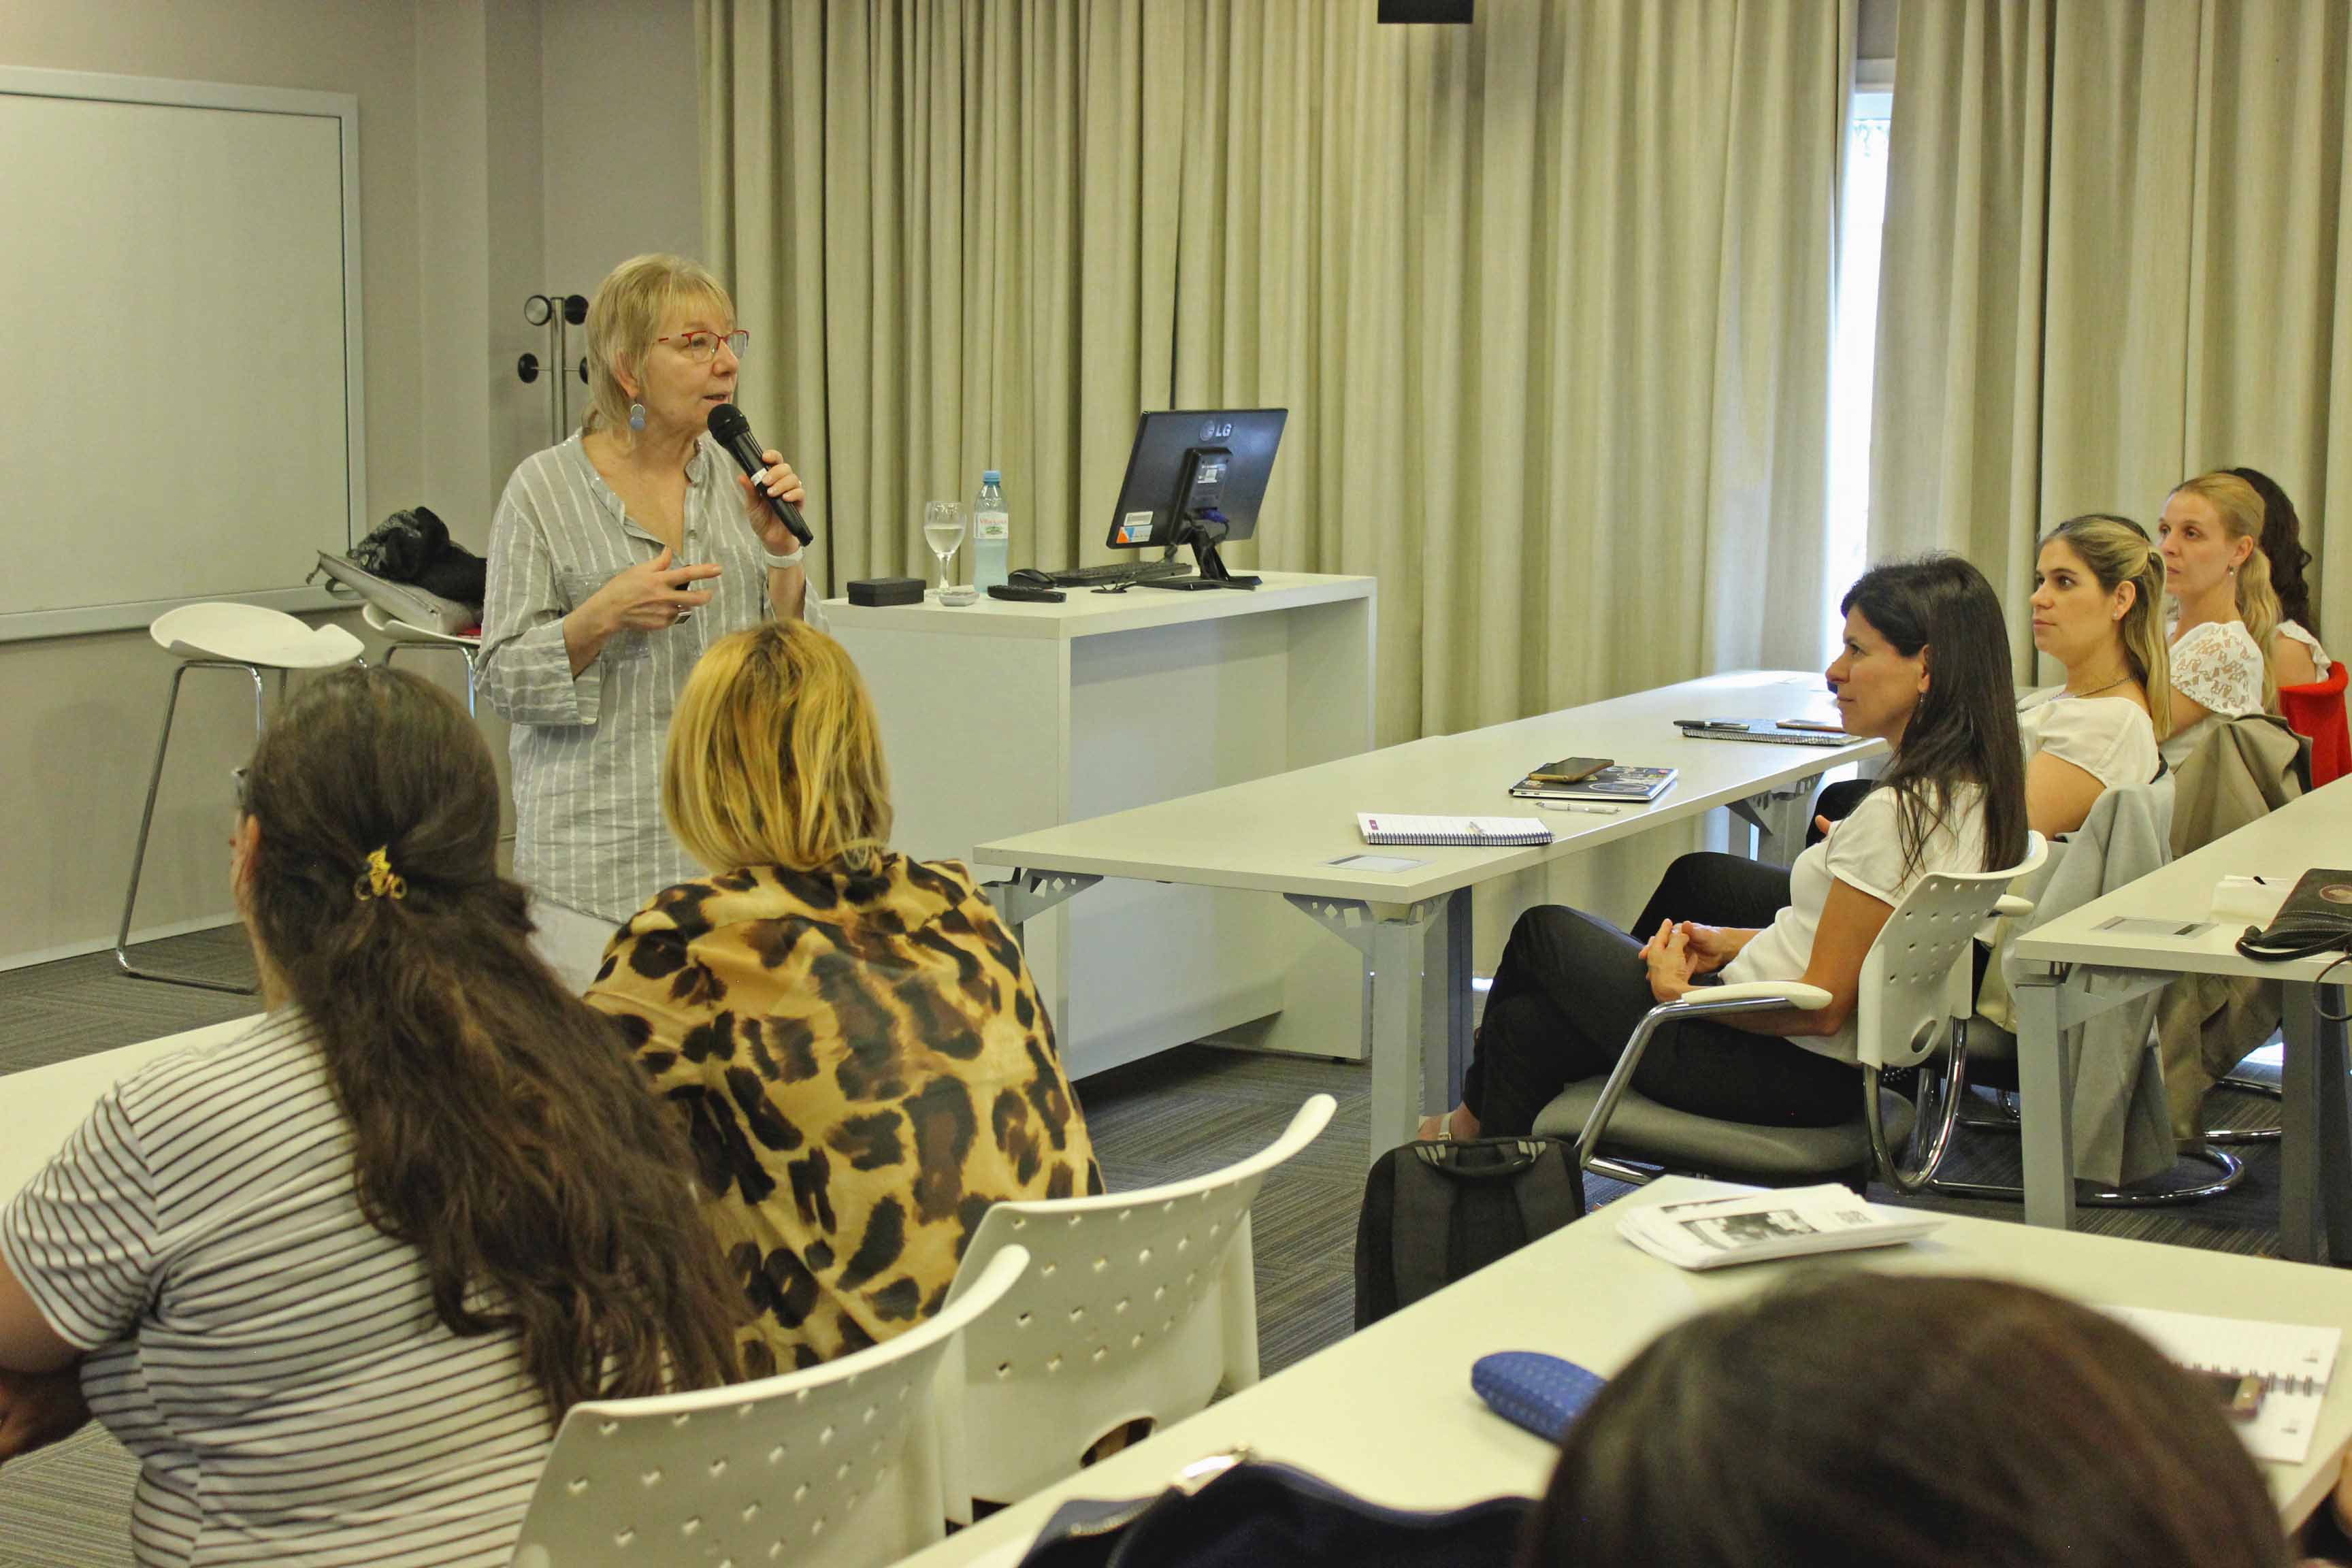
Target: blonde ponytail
x=2258, y=607
x=2239, y=507
x=2118, y=551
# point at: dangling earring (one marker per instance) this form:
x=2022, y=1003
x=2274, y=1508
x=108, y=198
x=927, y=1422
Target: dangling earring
x=637, y=417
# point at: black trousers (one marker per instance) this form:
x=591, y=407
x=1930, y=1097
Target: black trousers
x=1572, y=987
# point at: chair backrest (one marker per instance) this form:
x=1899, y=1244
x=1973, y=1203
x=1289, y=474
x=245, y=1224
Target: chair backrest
x=2316, y=711
x=1135, y=1305
x=836, y=1467
x=1906, y=1000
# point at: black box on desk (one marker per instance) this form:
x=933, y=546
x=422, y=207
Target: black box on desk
x=886, y=591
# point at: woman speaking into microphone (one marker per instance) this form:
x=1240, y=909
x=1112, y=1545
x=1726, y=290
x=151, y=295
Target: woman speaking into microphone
x=616, y=559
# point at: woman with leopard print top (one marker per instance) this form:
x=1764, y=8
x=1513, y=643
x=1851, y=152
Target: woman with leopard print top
x=850, y=1036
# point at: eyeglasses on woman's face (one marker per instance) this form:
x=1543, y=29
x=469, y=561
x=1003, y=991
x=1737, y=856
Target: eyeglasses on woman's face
x=703, y=347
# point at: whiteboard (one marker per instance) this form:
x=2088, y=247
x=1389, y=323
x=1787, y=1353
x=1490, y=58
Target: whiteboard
x=180, y=410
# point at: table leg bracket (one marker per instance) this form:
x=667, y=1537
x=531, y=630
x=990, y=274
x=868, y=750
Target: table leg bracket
x=1024, y=896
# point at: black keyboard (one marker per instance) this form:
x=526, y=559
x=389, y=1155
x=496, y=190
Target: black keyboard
x=1116, y=573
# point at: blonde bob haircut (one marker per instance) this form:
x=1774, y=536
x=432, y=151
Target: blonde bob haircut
x=2239, y=507
x=626, y=316
x=774, y=758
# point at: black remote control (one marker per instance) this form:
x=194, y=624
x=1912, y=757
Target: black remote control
x=1021, y=593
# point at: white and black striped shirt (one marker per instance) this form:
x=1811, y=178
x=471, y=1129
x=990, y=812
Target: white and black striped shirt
x=587, y=753
x=272, y=1358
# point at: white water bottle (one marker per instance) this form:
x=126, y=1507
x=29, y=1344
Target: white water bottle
x=991, y=532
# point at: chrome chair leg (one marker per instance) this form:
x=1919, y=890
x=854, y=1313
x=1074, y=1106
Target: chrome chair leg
x=147, y=821
x=2229, y=1171
x=2246, y=1134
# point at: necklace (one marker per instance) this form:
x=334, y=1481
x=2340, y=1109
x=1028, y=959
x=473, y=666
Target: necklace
x=2110, y=686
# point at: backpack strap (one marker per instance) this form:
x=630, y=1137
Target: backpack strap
x=1425, y=1216
x=1551, y=1194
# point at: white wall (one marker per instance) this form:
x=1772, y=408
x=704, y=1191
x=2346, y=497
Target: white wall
x=505, y=145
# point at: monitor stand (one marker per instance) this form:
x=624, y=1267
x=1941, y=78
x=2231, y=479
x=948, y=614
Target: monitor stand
x=1206, y=559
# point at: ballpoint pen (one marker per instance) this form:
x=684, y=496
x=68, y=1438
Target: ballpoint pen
x=1572, y=805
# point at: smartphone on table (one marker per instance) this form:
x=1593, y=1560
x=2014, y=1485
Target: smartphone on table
x=1569, y=770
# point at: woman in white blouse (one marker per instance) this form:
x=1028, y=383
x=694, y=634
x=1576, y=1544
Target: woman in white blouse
x=2215, y=570
x=2296, y=658
x=1924, y=666
x=2097, y=594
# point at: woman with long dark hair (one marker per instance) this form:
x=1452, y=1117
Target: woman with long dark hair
x=1924, y=666
x=336, y=1281
x=2295, y=654
x=2015, y=1427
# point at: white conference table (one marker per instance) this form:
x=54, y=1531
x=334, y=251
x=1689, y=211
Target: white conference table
x=1286, y=834
x=2090, y=969
x=40, y=1106
x=1388, y=1413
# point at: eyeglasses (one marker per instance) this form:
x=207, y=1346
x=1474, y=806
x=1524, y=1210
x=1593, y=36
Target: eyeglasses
x=703, y=347
x=244, y=783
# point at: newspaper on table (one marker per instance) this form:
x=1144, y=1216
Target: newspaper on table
x=1755, y=1226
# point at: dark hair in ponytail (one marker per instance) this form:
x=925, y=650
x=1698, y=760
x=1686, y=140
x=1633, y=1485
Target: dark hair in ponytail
x=2281, y=541
x=1965, y=728
x=499, y=1124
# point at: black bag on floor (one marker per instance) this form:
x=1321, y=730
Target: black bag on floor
x=1434, y=1212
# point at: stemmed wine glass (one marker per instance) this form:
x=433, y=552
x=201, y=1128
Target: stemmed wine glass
x=943, y=532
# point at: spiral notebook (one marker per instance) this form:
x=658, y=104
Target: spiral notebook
x=1482, y=832
x=2295, y=1361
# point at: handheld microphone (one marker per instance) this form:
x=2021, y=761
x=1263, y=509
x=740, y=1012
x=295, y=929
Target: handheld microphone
x=732, y=431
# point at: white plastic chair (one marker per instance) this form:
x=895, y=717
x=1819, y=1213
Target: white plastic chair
x=1915, y=975
x=1139, y=1306
x=836, y=1467
x=401, y=635
x=223, y=636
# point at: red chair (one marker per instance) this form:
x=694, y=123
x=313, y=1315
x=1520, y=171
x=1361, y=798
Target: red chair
x=2318, y=711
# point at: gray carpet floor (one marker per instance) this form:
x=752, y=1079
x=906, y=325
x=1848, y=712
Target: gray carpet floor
x=1176, y=1115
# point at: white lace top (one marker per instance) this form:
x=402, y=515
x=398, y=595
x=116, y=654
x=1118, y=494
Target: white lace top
x=2320, y=662
x=2218, y=667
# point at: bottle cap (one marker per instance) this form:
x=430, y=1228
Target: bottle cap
x=991, y=477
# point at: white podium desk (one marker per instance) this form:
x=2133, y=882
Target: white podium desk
x=1388, y=1412
x=1002, y=719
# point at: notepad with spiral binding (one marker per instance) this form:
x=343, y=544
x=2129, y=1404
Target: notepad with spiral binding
x=2295, y=1361
x=1474, y=832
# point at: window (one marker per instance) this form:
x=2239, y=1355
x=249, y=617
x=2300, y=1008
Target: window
x=1854, y=338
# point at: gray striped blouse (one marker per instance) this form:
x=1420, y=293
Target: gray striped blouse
x=587, y=753
x=271, y=1357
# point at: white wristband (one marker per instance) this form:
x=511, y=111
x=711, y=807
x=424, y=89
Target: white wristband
x=783, y=563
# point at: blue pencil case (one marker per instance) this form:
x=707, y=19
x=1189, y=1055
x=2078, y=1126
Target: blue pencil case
x=1538, y=1392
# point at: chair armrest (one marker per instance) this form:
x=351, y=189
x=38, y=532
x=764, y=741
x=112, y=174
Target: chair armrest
x=2011, y=905
x=1751, y=994
x=1747, y=997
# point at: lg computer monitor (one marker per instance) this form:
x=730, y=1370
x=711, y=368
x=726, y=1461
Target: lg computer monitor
x=1195, y=478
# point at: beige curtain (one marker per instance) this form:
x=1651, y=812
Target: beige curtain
x=1548, y=298
x=2114, y=236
